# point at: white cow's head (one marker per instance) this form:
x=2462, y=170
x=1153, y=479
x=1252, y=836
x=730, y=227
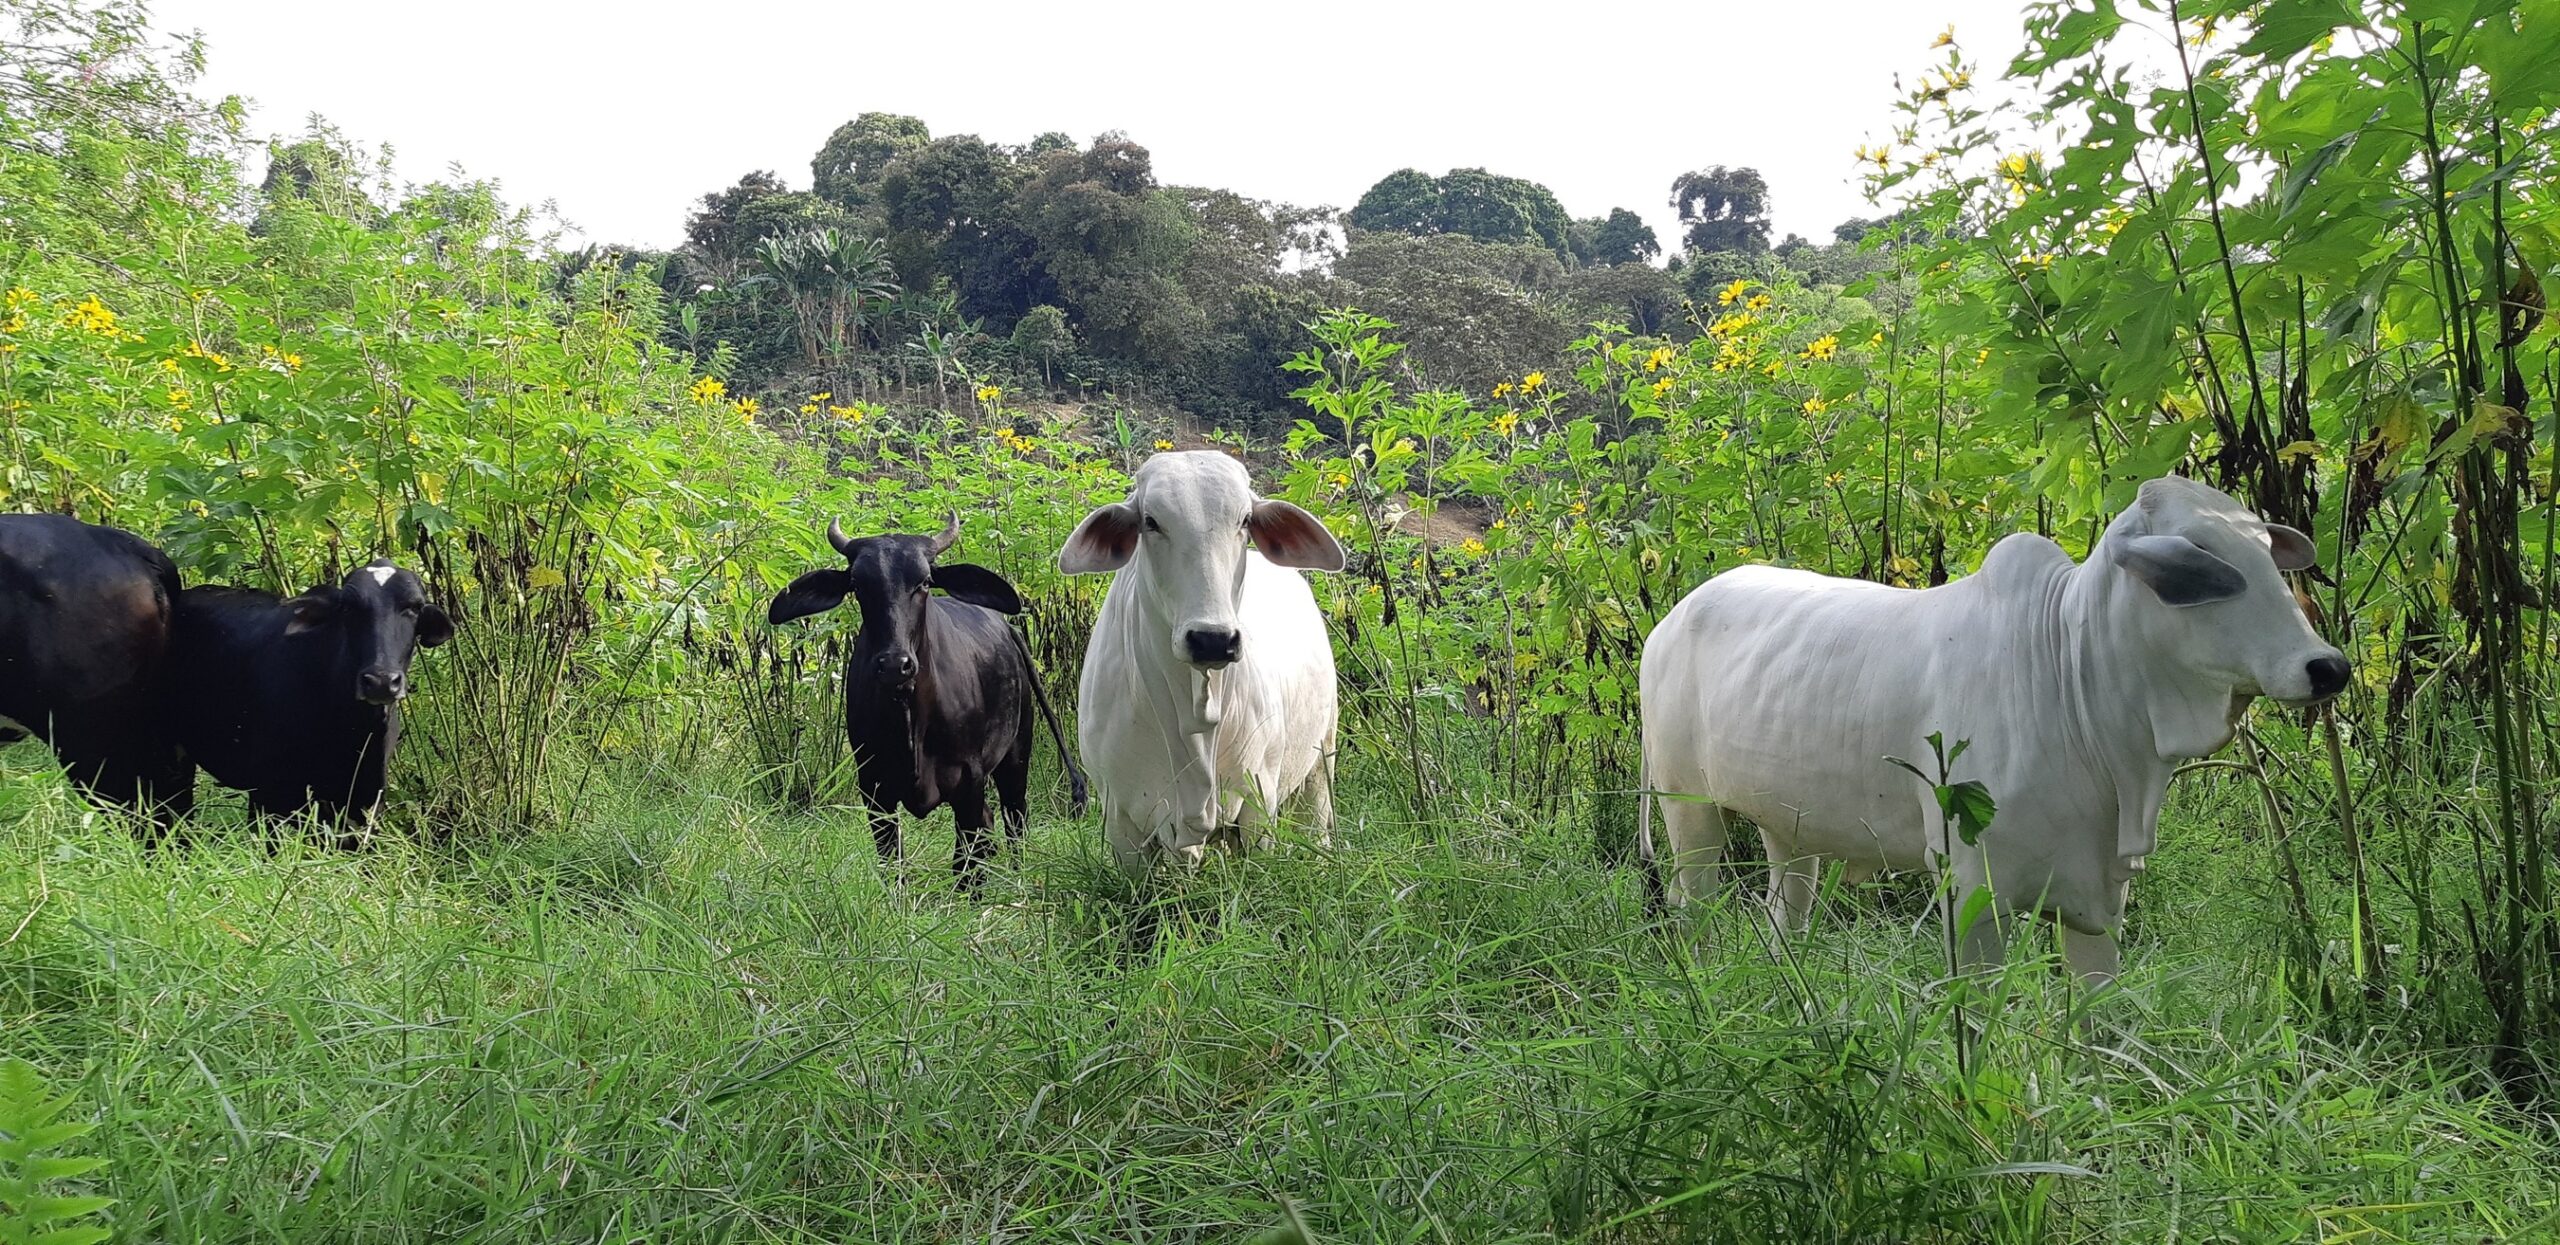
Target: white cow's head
x=2210, y=609
x=1182, y=533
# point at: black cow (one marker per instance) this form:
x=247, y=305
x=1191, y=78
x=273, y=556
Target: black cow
x=938, y=691
x=84, y=637
x=297, y=701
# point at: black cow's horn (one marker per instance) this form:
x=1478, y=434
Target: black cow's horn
x=836, y=536
x=950, y=534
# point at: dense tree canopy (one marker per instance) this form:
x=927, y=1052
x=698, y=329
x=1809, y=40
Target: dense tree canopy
x=1723, y=209
x=849, y=167
x=1471, y=202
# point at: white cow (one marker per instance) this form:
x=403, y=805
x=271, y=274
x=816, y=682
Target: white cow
x=1778, y=694
x=1208, y=693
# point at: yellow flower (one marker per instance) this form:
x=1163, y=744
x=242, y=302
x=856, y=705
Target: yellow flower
x=180, y=399
x=1504, y=423
x=1532, y=382
x=1775, y=366
x=989, y=393
x=1815, y=406
x=1404, y=445
x=746, y=409
x=1759, y=302
x=1662, y=386
x=292, y=361
x=1835, y=478
x=1823, y=347
x=1727, y=295
x=821, y=397
x=1727, y=326
x=2014, y=165
x=1162, y=444
x=1472, y=547
x=1984, y=357
x=1876, y=340
x=18, y=296
x=1499, y=525
x=1578, y=507
x=16, y=323
x=1881, y=156
x=808, y=408
x=1660, y=358
x=412, y=438
x=1341, y=480
x=708, y=390
x=1946, y=36
x=175, y=424
x=1502, y=390
x=93, y=316
x=200, y=509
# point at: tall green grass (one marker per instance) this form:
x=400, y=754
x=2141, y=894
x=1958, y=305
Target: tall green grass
x=690, y=1016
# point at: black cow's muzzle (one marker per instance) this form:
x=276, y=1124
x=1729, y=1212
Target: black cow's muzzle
x=896, y=673
x=378, y=687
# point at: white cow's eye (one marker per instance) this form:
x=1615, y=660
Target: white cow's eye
x=1150, y=522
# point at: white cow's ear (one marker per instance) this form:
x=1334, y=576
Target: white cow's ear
x=1105, y=541
x=2292, y=549
x=2179, y=571
x=1289, y=536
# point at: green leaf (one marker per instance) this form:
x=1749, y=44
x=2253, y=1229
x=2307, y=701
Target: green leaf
x=2284, y=27
x=1969, y=807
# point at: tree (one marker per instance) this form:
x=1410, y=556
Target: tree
x=1477, y=204
x=849, y=166
x=1475, y=312
x=1723, y=209
x=1043, y=336
x=1640, y=296
x=950, y=212
x=713, y=227
x=1620, y=238
x=1117, y=247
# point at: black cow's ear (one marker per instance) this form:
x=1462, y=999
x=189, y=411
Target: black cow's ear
x=813, y=593
x=311, y=610
x=434, y=626
x=2179, y=571
x=978, y=586
x=1105, y=541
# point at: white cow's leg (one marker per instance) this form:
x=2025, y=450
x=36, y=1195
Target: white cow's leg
x=1791, y=883
x=1695, y=833
x=1133, y=844
x=1319, y=795
x=2093, y=956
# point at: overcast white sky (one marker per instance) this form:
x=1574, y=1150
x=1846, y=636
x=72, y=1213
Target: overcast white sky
x=623, y=114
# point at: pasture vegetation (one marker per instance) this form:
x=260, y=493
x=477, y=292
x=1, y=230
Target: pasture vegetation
x=621, y=965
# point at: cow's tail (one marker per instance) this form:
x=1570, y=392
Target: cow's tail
x=1040, y=696
x=1655, y=897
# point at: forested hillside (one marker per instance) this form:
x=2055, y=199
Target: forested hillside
x=617, y=962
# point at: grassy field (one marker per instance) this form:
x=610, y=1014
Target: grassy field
x=692, y=1017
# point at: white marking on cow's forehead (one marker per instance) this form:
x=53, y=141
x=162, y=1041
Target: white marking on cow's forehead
x=382, y=573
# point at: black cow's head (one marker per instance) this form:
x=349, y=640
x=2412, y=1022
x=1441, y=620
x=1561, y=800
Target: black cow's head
x=379, y=616
x=890, y=578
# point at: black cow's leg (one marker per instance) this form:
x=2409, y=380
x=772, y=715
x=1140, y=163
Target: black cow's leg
x=971, y=843
x=1013, y=795
x=884, y=832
